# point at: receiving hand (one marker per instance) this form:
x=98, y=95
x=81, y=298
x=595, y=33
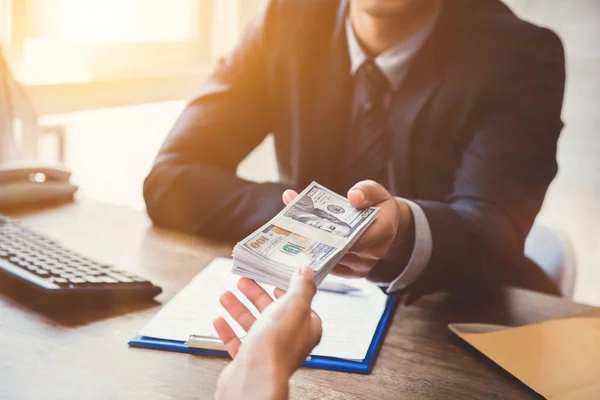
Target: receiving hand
x=277, y=342
x=392, y=226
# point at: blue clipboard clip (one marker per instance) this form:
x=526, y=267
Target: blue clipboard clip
x=207, y=342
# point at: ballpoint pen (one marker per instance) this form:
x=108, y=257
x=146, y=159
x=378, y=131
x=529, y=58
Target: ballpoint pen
x=337, y=287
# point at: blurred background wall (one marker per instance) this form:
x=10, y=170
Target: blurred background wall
x=573, y=202
x=109, y=77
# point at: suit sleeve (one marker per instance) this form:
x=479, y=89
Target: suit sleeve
x=479, y=233
x=192, y=186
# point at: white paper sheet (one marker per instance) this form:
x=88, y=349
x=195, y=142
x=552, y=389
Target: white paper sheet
x=349, y=320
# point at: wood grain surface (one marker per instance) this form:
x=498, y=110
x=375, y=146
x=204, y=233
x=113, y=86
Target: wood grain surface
x=84, y=355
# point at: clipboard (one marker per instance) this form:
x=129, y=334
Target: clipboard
x=319, y=362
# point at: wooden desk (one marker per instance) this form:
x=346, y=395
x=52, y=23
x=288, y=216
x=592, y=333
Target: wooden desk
x=86, y=356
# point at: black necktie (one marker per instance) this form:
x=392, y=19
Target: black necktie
x=368, y=145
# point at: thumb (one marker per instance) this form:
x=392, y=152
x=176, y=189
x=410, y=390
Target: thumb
x=367, y=193
x=302, y=285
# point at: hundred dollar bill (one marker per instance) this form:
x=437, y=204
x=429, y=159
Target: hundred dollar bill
x=277, y=245
x=316, y=230
x=320, y=214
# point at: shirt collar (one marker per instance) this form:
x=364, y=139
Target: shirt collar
x=392, y=62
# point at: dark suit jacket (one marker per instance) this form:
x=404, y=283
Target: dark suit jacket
x=475, y=126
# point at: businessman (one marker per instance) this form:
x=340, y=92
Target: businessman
x=446, y=114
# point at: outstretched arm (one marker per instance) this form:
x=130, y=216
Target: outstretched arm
x=277, y=342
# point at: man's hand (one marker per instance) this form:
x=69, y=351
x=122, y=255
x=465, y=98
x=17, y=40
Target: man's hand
x=277, y=342
x=392, y=228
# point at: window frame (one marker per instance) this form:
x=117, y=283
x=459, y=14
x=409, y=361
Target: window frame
x=183, y=57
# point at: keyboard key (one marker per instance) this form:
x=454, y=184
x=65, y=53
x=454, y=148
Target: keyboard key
x=93, y=279
x=77, y=281
x=121, y=278
x=37, y=264
x=88, y=273
x=77, y=269
x=61, y=281
x=32, y=259
x=29, y=259
x=42, y=272
x=87, y=264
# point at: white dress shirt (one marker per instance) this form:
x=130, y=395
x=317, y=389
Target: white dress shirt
x=393, y=63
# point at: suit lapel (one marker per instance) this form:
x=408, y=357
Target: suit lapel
x=419, y=84
x=329, y=111
x=405, y=107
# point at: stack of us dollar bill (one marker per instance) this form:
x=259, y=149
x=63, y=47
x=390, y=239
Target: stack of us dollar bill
x=316, y=229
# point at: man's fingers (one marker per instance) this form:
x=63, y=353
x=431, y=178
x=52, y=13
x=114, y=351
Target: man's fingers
x=227, y=335
x=371, y=243
x=237, y=310
x=367, y=194
x=278, y=293
x=256, y=294
x=289, y=196
x=354, y=265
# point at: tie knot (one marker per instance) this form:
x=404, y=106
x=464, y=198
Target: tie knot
x=374, y=79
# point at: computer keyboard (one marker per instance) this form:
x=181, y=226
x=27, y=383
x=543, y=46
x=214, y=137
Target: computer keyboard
x=53, y=271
